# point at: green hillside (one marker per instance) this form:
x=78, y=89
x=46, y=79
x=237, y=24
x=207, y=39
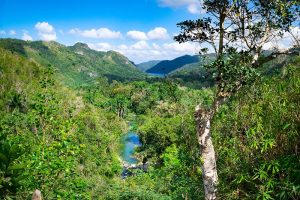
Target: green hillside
x=195, y=75
x=147, y=65
x=78, y=64
x=167, y=66
x=50, y=138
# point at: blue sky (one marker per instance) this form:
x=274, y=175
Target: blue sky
x=141, y=29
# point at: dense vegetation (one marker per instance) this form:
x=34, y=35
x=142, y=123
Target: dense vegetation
x=256, y=136
x=65, y=140
x=76, y=64
x=51, y=139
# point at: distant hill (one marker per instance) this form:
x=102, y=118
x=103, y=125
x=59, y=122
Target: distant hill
x=167, y=66
x=76, y=64
x=147, y=65
x=194, y=75
x=205, y=59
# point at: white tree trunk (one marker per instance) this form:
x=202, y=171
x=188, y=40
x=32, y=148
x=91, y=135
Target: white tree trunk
x=209, y=167
x=37, y=195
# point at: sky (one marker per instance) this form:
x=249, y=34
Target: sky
x=142, y=30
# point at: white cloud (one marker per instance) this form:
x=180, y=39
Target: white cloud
x=105, y=46
x=12, y=32
x=137, y=35
x=45, y=31
x=101, y=46
x=156, y=46
x=74, y=31
x=44, y=27
x=284, y=42
x=140, y=45
x=26, y=37
x=2, y=32
x=101, y=33
x=193, y=6
x=166, y=51
x=187, y=48
x=158, y=33
x=123, y=47
x=143, y=51
x=295, y=33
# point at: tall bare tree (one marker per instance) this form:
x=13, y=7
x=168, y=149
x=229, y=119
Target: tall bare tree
x=237, y=30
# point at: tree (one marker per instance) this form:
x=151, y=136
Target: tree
x=295, y=33
x=237, y=30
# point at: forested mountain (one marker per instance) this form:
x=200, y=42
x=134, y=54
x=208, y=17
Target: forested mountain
x=147, y=65
x=76, y=64
x=167, y=66
x=195, y=75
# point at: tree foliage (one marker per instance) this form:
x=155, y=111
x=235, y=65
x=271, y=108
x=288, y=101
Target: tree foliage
x=66, y=141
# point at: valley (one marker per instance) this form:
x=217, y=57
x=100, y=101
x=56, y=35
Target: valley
x=74, y=131
x=150, y=100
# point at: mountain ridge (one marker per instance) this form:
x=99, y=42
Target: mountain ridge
x=167, y=66
x=144, y=66
x=77, y=64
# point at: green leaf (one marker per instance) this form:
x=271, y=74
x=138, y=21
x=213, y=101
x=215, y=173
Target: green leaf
x=286, y=126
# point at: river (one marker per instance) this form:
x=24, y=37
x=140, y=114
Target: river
x=130, y=141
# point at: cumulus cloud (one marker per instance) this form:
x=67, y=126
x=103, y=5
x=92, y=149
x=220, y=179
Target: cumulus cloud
x=158, y=33
x=156, y=46
x=182, y=47
x=12, y=32
x=101, y=33
x=140, y=45
x=193, y=6
x=123, y=47
x=26, y=37
x=45, y=31
x=144, y=51
x=74, y=31
x=102, y=46
x=286, y=41
x=2, y=32
x=137, y=35
x=154, y=51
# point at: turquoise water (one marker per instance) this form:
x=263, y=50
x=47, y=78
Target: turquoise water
x=130, y=141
